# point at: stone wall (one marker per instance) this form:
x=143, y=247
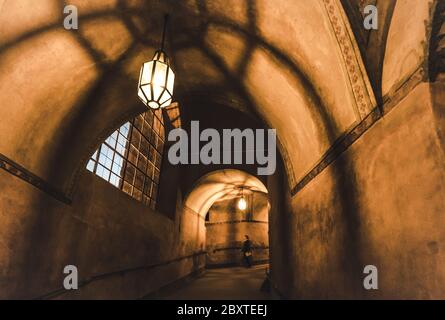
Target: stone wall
x=122, y=249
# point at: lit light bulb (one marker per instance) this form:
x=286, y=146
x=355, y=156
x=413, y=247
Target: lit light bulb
x=157, y=79
x=156, y=82
x=242, y=204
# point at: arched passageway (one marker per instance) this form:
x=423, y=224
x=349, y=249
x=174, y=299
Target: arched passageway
x=358, y=116
x=216, y=196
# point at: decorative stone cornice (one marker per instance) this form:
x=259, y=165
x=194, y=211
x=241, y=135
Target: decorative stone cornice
x=350, y=52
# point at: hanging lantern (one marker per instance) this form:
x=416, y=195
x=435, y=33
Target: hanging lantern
x=242, y=204
x=157, y=79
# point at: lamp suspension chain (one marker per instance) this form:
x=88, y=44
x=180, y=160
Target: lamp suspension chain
x=164, y=31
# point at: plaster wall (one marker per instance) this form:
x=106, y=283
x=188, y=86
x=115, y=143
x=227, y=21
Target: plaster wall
x=112, y=239
x=380, y=203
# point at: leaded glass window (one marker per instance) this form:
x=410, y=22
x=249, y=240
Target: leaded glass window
x=130, y=158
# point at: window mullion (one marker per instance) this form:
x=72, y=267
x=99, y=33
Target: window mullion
x=127, y=152
x=97, y=158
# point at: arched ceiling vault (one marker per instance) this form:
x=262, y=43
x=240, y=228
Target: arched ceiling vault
x=294, y=64
x=218, y=185
x=372, y=42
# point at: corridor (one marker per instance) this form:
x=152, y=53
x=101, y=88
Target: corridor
x=236, y=283
x=142, y=141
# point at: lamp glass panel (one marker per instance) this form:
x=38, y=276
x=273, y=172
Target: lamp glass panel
x=157, y=91
x=146, y=73
x=147, y=91
x=167, y=103
x=160, y=75
x=141, y=96
x=165, y=96
x=171, y=81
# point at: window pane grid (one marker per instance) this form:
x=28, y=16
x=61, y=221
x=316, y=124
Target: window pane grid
x=131, y=157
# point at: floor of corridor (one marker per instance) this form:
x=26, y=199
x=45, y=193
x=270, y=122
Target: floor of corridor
x=224, y=284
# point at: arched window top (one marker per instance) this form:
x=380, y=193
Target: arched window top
x=130, y=158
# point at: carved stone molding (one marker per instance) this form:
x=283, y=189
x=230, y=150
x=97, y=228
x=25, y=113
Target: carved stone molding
x=350, y=52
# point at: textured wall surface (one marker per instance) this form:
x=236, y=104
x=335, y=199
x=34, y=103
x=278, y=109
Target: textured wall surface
x=380, y=203
x=356, y=187
x=103, y=233
x=406, y=47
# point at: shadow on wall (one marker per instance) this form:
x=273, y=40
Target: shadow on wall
x=193, y=27
x=437, y=70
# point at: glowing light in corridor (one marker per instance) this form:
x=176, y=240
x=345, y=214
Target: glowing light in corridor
x=157, y=79
x=242, y=204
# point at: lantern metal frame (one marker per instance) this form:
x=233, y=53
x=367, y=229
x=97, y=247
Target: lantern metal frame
x=158, y=95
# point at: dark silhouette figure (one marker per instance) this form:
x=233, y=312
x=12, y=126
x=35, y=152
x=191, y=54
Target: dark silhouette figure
x=247, y=251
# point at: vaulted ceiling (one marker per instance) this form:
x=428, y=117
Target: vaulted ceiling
x=221, y=184
x=293, y=64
